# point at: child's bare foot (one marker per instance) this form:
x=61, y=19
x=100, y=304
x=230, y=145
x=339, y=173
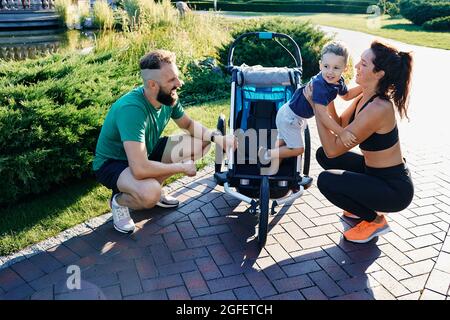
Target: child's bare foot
x=264, y=155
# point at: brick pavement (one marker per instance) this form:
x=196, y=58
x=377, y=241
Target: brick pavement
x=206, y=249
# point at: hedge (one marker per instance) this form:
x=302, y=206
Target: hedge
x=51, y=112
x=286, y=6
x=421, y=11
x=438, y=24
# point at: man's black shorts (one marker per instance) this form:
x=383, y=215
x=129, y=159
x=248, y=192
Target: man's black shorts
x=109, y=172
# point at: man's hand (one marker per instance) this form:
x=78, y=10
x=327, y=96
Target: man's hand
x=226, y=141
x=347, y=138
x=189, y=168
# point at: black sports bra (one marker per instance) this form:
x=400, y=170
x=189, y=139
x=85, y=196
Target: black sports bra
x=377, y=141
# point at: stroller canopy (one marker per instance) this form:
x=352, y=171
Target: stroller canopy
x=260, y=76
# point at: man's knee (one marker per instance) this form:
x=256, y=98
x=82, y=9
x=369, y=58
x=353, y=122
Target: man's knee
x=205, y=147
x=199, y=149
x=149, y=193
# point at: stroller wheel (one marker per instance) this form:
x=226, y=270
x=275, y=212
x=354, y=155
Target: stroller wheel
x=264, y=211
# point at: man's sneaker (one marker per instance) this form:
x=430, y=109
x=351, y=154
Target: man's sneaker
x=167, y=201
x=350, y=215
x=121, y=218
x=365, y=231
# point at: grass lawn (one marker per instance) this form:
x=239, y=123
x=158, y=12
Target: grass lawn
x=47, y=215
x=397, y=29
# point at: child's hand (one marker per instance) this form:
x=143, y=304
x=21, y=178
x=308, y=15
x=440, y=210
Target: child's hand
x=308, y=92
x=347, y=138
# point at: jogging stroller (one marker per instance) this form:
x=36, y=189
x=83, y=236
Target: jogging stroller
x=257, y=93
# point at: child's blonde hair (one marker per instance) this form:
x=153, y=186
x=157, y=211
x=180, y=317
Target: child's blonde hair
x=336, y=47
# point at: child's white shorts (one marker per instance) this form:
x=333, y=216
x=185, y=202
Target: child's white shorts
x=290, y=127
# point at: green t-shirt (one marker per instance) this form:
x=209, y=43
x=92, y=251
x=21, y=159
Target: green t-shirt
x=132, y=118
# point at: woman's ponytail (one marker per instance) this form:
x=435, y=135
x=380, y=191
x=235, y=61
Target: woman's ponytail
x=402, y=84
x=396, y=82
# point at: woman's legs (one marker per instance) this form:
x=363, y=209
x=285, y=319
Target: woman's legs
x=361, y=194
x=349, y=161
x=349, y=187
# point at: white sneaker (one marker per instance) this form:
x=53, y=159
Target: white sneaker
x=167, y=201
x=121, y=217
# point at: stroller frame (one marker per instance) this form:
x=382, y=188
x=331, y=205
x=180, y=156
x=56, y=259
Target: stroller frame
x=264, y=187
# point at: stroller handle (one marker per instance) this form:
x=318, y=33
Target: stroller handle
x=264, y=35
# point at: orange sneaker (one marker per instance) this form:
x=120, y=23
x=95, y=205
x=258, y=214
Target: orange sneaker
x=365, y=231
x=350, y=215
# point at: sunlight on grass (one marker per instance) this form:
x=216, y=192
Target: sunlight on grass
x=45, y=216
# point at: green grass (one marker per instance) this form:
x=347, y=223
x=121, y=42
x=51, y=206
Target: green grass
x=48, y=214
x=397, y=29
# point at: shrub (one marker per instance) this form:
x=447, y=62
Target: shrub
x=52, y=109
x=44, y=145
x=132, y=8
x=51, y=112
x=204, y=81
x=72, y=15
x=61, y=8
x=103, y=15
x=335, y=6
x=420, y=11
x=390, y=7
x=267, y=53
x=438, y=24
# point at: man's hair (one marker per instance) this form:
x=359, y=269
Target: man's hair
x=150, y=64
x=154, y=59
x=336, y=47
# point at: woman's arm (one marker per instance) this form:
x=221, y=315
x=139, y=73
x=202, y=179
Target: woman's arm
x=321, y=112
x=328, y=140
x=364, y=125
x=352, y=93
x=332, y=112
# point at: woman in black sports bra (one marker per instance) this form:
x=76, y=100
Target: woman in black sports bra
x=364, y=185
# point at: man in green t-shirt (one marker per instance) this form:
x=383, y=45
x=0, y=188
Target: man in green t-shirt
x=132, y=159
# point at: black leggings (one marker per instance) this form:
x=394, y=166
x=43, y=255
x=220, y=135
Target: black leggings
x=363, y=190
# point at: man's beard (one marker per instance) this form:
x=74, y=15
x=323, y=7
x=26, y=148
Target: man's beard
x=166, y=98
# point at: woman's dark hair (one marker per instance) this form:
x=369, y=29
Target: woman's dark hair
x=397, y=67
